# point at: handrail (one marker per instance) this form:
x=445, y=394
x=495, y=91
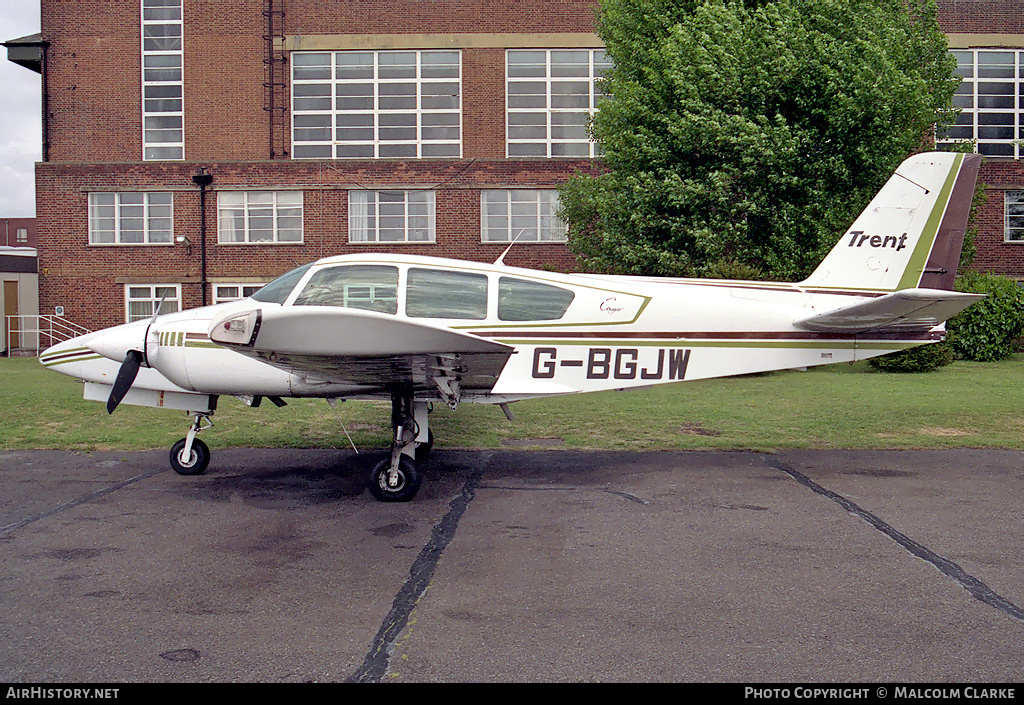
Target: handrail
x=45, y=330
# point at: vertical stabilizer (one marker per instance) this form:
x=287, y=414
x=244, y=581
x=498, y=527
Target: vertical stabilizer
x=911, y=233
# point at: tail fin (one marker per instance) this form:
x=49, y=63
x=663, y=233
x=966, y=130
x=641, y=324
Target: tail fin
x=911, y=234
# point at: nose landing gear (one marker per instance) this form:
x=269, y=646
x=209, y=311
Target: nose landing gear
x=190, y=456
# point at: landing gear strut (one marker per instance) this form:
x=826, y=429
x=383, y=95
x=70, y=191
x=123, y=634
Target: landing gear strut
x=396, y=479
x=190, y=456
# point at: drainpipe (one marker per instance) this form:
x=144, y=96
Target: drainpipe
x=202, y=179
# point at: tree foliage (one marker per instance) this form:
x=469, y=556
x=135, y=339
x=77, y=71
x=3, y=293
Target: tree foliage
x=748, y=135
x=987, y=330
x=923, y=358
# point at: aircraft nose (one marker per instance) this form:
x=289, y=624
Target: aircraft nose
x=60, y=350
x=114, y=343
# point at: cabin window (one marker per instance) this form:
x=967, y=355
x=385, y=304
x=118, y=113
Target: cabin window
x=435, y=293
x=525, y=300
x=369, y=287
x=278, y=290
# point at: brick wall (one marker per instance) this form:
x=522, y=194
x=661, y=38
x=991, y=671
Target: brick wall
x=993, y=254
x=95, y=101
x=986, y=17
x=982, y=16
x=70, y=265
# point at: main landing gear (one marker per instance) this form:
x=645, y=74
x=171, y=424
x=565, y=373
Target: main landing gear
x=396, y=478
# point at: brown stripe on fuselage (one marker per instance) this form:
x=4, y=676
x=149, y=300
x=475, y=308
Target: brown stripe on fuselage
x=707, y=335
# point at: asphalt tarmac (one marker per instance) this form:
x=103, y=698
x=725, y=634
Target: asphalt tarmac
x=277, y=566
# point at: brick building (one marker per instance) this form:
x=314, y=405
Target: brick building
x=987, y=38
x=195, y=150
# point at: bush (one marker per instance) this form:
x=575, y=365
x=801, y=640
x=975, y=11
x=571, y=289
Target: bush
x=985, y=332
x=923, y=358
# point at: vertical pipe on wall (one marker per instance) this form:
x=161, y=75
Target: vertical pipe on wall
x=202, y=179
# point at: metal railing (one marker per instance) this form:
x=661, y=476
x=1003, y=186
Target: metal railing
x=37, y=332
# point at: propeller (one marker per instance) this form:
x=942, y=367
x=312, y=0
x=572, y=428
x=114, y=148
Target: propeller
x=130, y=367
x=125, y=376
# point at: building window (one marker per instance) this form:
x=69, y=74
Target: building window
x=391, y=216
x=259, y=217
x=551, y=96
x=163, y=135
x=376, y=104
x=142, y=300
x=1013, y=207
x=130, y=218
x=21, y=235
x=991, y=99
x=222, y=293
x=521, y=215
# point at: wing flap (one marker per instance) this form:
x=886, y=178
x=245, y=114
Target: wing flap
x=906, y=310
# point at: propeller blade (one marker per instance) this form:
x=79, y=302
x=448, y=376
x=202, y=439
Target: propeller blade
x=125, y=376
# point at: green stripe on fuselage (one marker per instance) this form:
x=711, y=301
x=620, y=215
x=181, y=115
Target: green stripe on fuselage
x=919, y=258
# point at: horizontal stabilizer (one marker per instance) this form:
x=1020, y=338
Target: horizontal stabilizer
x=906, y=310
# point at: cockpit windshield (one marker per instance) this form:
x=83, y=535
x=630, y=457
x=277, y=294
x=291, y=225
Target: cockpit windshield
x=277, y=291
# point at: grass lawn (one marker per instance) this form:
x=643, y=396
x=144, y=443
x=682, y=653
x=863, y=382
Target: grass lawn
x=966, y=404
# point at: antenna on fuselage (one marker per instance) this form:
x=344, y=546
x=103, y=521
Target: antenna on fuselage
x=501, y=260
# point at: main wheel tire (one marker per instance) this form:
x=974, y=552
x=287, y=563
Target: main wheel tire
x=197, y=461
x=409, y=480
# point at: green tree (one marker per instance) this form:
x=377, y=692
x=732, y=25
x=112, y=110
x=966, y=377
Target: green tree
x=745, y=136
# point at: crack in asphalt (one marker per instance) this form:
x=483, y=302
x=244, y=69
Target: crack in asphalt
x=378, y=659
x=80, y=500
x=977, y=589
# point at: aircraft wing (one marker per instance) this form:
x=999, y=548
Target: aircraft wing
x=907, y=310
x=364, y=348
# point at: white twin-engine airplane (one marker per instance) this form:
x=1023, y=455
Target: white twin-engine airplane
x=417, y=330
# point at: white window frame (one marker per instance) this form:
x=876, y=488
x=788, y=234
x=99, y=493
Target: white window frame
x=21, y=235
x=358, y=105
x=163, y=88
x=521, y=216
x=154, y=295
x=992, y=105
x=152, y=215
x=377, y=216
x=282, y=208
x=546, y=113
x=1013, y=233
x=220, y=297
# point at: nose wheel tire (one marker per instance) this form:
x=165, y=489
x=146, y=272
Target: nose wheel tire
x=195, y=463
x=404, y=486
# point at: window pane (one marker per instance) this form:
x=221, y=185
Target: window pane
x=524, y=300
x=369, y=287
x=367, y=98
x=436, y=293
